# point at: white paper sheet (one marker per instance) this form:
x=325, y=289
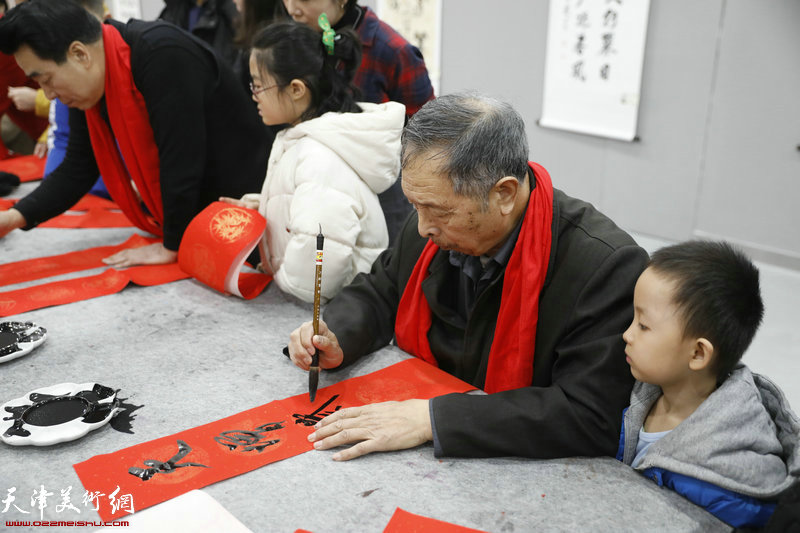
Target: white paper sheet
x=193, y=512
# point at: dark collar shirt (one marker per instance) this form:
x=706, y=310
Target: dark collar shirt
x=477, y=272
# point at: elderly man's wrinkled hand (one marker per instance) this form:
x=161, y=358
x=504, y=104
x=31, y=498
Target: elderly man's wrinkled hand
x=302, y=343
x=377, y=427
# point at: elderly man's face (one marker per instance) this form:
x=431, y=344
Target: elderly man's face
x=452, y=221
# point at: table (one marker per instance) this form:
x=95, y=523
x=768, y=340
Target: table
x=189, y=355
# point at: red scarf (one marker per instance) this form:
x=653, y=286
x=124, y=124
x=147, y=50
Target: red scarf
x=511, y=355
x=136, y=159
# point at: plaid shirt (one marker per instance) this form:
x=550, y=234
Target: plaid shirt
x=391, y=68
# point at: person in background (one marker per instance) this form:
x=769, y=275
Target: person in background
x=502, y=281
x=330, y=162
x=154, y=109
x=254, y=15
x=33, y=100
x=699, y=421
x=211, y=21
x=392, y=69
x=13, y=81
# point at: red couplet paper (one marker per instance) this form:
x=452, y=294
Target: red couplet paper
x=216, y=244
x=161, y=469
x=27, y=167
x=405, y=522
x=55, y=265
x=74, y=290
x=90, y=212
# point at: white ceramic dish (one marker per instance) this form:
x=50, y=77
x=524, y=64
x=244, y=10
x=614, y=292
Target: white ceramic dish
x=19, y=338
x=58, y=413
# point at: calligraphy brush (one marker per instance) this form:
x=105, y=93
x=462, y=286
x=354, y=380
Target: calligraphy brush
x=313, y=371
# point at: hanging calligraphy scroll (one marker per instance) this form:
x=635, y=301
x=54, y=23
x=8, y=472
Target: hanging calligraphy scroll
x=593, y=66
x=420, y=22
x=155, y=471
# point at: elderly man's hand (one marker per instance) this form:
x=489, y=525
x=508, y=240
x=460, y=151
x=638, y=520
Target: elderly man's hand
x=152, y=254
x=10, y=220
x=302, y=342
x=375, y=428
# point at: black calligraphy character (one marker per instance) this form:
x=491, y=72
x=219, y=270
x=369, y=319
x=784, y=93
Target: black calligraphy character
x=581, y=44
x=604, y=71
x=577, y=70
x=249, y=440
x=608, y=41
x=316, y=416
x=582, y=21
x=610, y=18
x=168, y=467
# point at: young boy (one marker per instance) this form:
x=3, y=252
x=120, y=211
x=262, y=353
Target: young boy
x=699, y=422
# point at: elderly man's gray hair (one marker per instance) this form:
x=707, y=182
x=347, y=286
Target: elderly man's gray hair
x=477, y=139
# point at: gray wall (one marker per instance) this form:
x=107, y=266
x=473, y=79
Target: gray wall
x=151, y=8
x=719, y=119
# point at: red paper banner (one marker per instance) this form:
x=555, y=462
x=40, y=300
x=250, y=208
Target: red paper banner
x=74, y=290
x=216, y=244
x=55, y=265
x=90, y=212
x=213, y=250
x=27, y=167
x=161, y=469
x=405, y=522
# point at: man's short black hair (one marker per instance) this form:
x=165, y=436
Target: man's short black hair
x=717, y=293
x=48, y=27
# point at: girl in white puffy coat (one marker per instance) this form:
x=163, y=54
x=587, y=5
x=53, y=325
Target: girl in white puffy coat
x=327, y=168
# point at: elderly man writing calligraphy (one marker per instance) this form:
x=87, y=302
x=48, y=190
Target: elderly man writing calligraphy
x=502, y=281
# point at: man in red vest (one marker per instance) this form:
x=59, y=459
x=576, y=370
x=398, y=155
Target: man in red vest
x=153, y=110
x=498, y=279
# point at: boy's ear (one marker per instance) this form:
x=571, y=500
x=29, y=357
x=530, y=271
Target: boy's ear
x=703, y=354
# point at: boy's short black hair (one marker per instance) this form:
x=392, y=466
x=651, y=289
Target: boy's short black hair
x=717, y=293
x=48, y=27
